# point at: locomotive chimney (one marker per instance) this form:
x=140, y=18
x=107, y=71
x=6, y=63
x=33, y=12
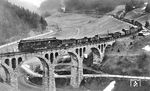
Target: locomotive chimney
x=63, y=7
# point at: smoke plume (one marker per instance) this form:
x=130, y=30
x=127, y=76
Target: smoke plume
x=100, y=6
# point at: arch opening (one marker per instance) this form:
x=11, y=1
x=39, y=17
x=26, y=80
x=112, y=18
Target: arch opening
x=80, y=52
x=84, y=49
x=99, y=46
x=92, y=58
x=108, y=48
x=19, y=60
x=56, y=54
x=77, y=51
x=102, y=47
x=46, y=56
x=13, y=61
x=39, y=70
x=51, y=57
x=88, y=61
x=95, y=51
x=7, y=62
x=7, y=72
x=73, y=56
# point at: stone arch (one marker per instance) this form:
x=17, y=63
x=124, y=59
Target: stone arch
x=45, y=63
x=81, y=52
x=56, y=54
x=51, y=57
x=96, y=51
x=59, y=56
x=99, y=46
x=11, y=76
x=14, y=61
x=48, y=74
x=20, y=60
x=74, y=56
x=7, y=62
x=102, y=48
x=84, y=49
x=104, y=45
x=77, y=51
x=108, y=46
x=46, y=56
x=8, y=72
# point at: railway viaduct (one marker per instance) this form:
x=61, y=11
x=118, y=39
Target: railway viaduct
x=49, y=59
x=11, y=62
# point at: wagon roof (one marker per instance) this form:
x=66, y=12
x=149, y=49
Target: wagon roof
x=38, y=40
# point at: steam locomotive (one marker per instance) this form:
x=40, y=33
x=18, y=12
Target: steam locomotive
x=53, y=43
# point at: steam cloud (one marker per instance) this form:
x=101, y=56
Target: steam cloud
x=101, y=6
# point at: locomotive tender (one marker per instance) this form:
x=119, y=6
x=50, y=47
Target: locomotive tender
x=53, y=43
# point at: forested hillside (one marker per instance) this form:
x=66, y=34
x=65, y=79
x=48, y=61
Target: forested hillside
x=16, y=22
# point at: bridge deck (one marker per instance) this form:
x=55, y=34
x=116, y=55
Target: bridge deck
x=20, y=53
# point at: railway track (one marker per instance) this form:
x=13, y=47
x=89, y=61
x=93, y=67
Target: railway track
x=20, y=53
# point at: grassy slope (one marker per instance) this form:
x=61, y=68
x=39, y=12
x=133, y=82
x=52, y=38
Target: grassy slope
x=138, y=15
x=129, y=58
x=78, y=26
x=144, y=18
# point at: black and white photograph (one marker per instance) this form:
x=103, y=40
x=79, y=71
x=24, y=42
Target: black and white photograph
x=74, y=45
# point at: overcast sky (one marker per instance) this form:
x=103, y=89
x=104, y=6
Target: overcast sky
x=34, y=2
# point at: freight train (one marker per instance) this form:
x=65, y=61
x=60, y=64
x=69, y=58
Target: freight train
x=133, y=22
x=54, y=43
